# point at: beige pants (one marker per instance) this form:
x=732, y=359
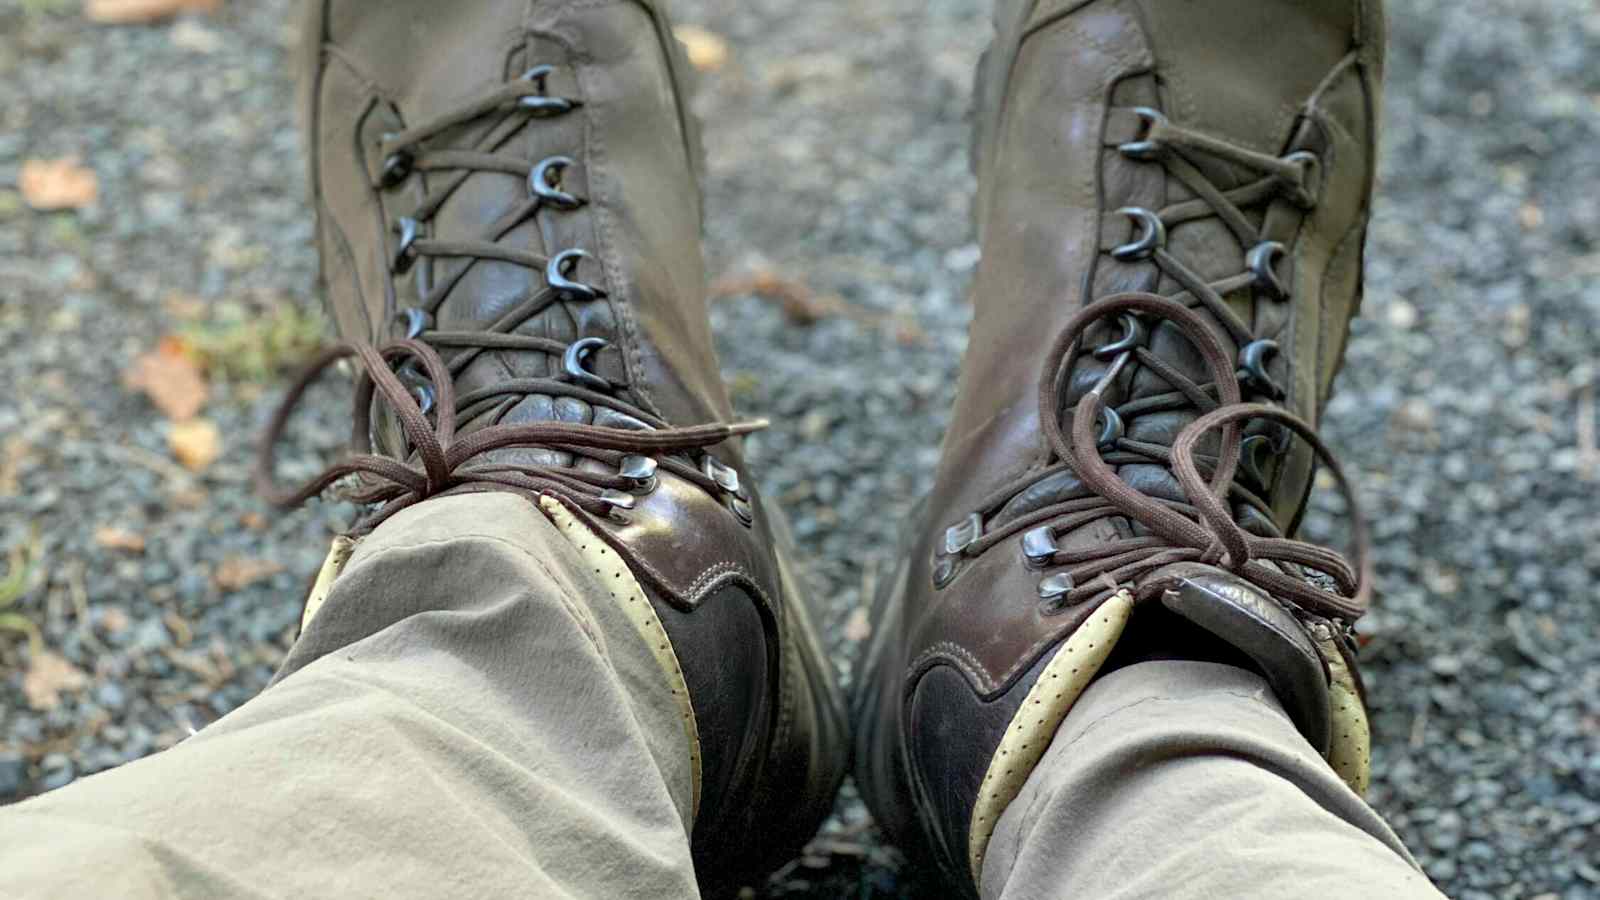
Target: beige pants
x=470, y=715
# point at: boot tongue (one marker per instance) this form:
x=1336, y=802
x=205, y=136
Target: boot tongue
x=1250, y=621
x=1241, y=70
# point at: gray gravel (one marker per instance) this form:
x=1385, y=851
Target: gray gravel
x=837, y=136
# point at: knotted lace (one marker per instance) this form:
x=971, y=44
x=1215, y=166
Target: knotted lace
x=1202, y=529
x=434, y=459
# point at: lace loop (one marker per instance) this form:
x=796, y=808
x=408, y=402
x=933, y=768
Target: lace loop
x=1202, y=527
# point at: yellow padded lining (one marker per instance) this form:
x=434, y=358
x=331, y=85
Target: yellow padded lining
x=1350, y=751
x=332, y=565
x=1031, y=729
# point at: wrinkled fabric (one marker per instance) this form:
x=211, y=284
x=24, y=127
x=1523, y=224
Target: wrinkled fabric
x=1188, y=781
x=469, y=715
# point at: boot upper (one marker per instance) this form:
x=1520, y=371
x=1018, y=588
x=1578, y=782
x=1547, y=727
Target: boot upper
x=1172, y=207
x=509, y=219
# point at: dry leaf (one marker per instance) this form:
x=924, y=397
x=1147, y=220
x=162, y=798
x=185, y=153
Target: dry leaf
x=196, y=443
x=52, y=184
x=113, y=538
x=47, y=677
x=858, y=627
x=170, y=378
x=191, y=35
x=237, y=572
x=183, y=306
x=114, y=620
x=707, y=51
x=134, y=12
x=800, y=304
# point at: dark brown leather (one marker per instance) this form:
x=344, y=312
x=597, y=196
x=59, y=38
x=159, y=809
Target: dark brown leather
x=713, y=558
x=962, y=628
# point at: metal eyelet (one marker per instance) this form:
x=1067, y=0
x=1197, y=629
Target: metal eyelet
x=1039, y=546
x=1054, y=587
x=540, y=103
x=404, y=254
x=572, y=363
x=1308, y=189
x=1253, y=368
x=397, y=166
x=641, y=470
x=963, y=534
x=1152, y=235
x=557, y=274
x=722, y=474
x=544, y=181
x=1111, y=430
x=617, y=499
x=1133, y=335
x=416, y=321
x=1263, y=261
x=944, y=571
x=1145, y=148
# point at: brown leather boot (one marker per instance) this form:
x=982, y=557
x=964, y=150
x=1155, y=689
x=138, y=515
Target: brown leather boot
x=509, y=217
x=1172, y=204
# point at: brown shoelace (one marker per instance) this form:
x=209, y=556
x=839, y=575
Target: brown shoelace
x=1203, y=529
x=435, y=461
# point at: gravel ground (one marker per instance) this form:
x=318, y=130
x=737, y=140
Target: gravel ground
x=1469, y=381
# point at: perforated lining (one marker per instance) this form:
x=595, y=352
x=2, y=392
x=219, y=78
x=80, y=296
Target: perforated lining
x=332, y=565
x=1047, y=703
x=1350, y=751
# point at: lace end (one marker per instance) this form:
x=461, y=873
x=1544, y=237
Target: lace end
x=749, y=426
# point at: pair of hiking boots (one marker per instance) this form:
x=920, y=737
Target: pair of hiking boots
x=1172, y=204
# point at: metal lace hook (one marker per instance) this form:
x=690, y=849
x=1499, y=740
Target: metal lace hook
x=545, y=179
x=397, y=166
x=1133, y=336
x=572, y=362
x=1112, y=427
x=416, y=321
x=1263, y=261
x=540, y=102
x=1148, y=146
x=558, y=274
x=405, y=254
x=1152, y=235
x=1253, y=368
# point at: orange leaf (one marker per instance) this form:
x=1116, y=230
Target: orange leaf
x=170, y=378
x=48, y=676
x=52, y=184
x=136, y=12
x=238, y=572
x=706, y=49
x=113, y=538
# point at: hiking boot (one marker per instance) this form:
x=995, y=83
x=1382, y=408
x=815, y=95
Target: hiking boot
x=508, y=214
x=1172, y=205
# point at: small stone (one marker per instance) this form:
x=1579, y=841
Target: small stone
x=58, y=777
x=13, y=775
x=1402, y=315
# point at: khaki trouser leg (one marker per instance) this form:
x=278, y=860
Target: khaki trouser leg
x=469, y=715
x=1184, y=780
